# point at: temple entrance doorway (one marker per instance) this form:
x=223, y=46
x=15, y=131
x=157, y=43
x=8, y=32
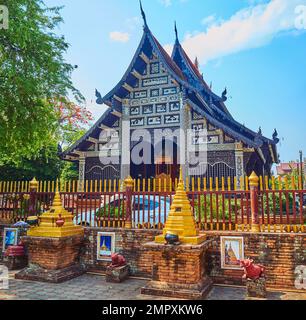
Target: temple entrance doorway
x=164, y=164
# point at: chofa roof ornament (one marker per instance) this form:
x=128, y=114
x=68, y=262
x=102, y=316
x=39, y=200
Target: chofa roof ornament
x=224, y=95
x=275, y=136
x=143, y=15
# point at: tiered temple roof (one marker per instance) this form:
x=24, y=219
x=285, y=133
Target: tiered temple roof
x=198, y=95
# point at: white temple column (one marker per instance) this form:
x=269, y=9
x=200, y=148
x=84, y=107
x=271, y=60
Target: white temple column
x=125, y=141
x=185, y=124
x=82, y=163
x=239, y=166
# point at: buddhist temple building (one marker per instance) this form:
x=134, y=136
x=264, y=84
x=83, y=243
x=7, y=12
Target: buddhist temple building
x=159, y=91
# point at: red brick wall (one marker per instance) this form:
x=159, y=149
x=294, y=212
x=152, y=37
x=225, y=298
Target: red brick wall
x=128, y=242
x=279, y=253
x=53, y=253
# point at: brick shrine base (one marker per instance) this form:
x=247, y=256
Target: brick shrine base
x=178, y=271
x=37, y=273
x=52, y=259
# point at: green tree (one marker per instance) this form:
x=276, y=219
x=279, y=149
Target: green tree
x=47, y=165
x=33, y=74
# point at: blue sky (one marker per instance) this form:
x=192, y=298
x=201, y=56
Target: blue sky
x=255, y=48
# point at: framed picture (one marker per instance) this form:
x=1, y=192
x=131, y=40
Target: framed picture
x=154, y=67
x=154, y=93
x=140, y=94
x=154, y=120
x=174, y=106
x=175, y=118
x=147, y=109
x=232, y=250
x=10, y=236
x=105, y=245
x=160, y=108
x=134, y=111
x=136, y=122
x=168, y=91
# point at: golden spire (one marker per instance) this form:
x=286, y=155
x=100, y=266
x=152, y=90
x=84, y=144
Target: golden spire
x=181, y=220
x=57, y=202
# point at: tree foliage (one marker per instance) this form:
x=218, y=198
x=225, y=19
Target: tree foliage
x=47, y=165
x=33, y=74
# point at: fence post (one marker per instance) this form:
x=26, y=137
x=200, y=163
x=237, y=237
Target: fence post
x=129, y=184
x=33, y=191
x=253, y=180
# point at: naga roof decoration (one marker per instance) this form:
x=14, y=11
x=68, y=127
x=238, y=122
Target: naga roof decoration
x=196, y=92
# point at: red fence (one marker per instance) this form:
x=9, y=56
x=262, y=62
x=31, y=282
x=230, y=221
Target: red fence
x=213, y=210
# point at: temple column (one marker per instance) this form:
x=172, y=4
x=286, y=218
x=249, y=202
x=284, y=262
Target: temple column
x=239, y=166
x=125, y=141
x=82, y=163
x=184, y=120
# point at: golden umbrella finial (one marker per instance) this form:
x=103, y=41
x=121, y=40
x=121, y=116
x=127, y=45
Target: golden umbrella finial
x=181, y=184
x=56, y=186
x=57, y=202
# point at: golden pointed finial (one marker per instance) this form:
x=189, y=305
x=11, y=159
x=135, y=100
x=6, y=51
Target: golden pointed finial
x=181, y=184
x=181, y=173
x=253, y=179
x=129, y=182
x=57, y=202
x=33, y=184
x=56, y=185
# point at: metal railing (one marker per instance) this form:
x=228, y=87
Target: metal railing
x=228, y=183
x=278, y=210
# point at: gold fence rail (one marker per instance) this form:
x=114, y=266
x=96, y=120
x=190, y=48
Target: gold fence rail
x=153, y=184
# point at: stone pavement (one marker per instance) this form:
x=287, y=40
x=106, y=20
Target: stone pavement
x=94, y=287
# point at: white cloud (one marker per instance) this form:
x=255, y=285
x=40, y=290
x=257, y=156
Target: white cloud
x=166, y=3
x=119, y=36
x=207, y=21
x=251, y=27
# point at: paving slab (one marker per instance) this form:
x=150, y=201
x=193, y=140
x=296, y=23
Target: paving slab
x=94, y=287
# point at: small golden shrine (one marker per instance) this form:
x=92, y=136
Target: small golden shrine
x=181, y=220
x=56, y=223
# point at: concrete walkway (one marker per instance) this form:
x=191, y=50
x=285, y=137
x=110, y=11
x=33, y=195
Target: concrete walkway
x=94, y=287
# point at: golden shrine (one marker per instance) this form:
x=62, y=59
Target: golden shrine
x=48, y=226
x=181, y=220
